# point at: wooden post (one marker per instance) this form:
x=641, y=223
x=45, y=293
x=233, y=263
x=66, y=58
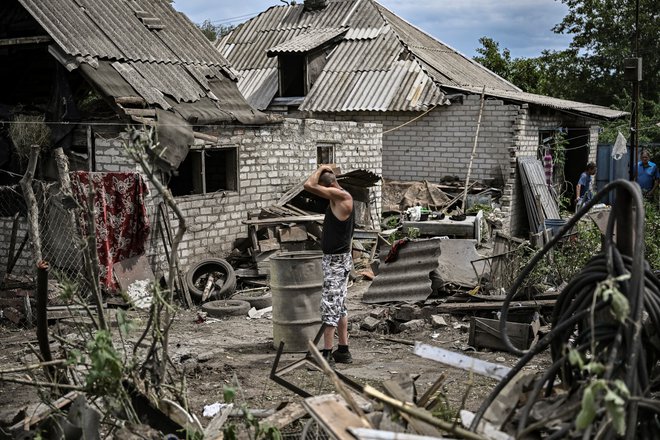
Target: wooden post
x=42, y=318
x=474, y=149
x=31, y=202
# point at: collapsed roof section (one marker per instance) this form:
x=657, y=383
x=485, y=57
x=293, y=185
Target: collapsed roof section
x=146, y=59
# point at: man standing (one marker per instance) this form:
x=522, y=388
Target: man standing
x=336, y=242
x=647, y=174
x=583, y=188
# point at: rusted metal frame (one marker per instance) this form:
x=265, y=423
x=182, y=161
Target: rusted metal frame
x=308, y=360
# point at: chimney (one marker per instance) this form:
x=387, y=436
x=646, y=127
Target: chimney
x=315, y=5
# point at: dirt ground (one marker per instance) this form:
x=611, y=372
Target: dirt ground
x=238, y=352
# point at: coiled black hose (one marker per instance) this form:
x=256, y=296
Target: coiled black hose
x=580, y=321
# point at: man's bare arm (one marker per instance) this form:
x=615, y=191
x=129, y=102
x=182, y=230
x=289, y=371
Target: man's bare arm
x=312, y=185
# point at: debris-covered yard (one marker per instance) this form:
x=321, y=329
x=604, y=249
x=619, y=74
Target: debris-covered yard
x=237, y=352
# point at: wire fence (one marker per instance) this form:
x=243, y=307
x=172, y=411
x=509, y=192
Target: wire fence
x=58, y=234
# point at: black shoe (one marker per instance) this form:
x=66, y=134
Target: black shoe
x=330, y=360
x=342, y=358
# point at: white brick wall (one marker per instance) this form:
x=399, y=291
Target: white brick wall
x=272, y=159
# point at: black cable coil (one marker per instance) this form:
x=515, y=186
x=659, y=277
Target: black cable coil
x=582, y=322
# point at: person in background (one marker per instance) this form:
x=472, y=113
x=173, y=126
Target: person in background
x=336, y=241
x=647, y=174
x=583, y=191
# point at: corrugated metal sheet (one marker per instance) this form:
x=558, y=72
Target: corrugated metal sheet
x=452, y=65
x=383, y=63
x=547, y=101
x=308, y=41
x=145, y=48
x=408, y=277
x=111, y=29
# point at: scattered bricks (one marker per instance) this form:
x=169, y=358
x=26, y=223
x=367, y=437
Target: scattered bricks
x=370, y=323
x=438, y=321
x=414, y=325
x=379, y=313
x=406, y=312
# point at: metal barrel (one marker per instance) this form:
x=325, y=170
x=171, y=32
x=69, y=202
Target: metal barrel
x=296, y=282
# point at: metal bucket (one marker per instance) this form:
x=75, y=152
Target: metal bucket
x=296, y=282
x=554, y=224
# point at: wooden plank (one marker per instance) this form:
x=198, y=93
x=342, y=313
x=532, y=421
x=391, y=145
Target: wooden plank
x=331, y=413
x=284, y=417
x=461, y=361
x=292, y=233
x=493, y=305
x=25, y=40
x=284, y=220
x=43, y=410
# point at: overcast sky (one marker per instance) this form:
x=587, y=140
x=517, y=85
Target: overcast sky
x=522, y=26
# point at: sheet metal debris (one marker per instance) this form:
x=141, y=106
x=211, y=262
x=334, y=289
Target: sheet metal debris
x=407, y=278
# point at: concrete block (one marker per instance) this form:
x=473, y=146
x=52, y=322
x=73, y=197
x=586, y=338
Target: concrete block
x=438, y=321
x=406, y=312
x=414, y=325
x=369, y=323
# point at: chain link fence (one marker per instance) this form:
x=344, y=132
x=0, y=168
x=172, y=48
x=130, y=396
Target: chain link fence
x=60, y=240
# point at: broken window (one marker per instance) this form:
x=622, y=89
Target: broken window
x=325, y=154
x=205, y=171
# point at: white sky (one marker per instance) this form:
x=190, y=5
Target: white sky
x=522, y=26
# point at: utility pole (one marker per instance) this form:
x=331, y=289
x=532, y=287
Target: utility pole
x=633, y=72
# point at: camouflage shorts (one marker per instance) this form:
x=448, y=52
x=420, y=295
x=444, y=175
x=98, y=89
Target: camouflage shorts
x=336, y=268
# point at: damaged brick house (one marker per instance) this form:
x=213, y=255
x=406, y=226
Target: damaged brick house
x=356, y=60
x=93, y=68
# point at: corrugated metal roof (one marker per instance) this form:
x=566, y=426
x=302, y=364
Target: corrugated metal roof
x=408, y=277
x=547, y=101
x=452, y=66
x=111, y=29
x=379, y=52
x=308, y=41
x=160, y=54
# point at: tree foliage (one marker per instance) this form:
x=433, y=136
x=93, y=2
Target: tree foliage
x=214, y=31
x=591, y=69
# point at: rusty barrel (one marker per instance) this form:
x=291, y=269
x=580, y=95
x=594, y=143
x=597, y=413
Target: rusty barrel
x=296, y=281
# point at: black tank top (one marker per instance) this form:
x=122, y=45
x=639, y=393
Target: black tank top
x=337, y=234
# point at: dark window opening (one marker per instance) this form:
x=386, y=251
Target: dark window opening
x=325, y=154
x=292, y=75
x=206, y=171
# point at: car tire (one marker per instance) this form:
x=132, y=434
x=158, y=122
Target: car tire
x=229, y=307
x=202, y=269
x=259, y=300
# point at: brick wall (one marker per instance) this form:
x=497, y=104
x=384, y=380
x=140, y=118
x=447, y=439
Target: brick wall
x=272, y=159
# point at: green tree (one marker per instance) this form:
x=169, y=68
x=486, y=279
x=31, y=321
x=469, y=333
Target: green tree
x=591, y=69
x=214, y=31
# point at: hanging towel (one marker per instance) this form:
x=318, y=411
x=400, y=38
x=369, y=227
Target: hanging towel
x=122, y=226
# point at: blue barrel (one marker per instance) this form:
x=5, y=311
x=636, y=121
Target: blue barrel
x=296, y=282
x=554, y=224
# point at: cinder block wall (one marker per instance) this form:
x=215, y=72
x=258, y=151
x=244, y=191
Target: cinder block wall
x=528, y=124
x=439, y=143
x=272, y=159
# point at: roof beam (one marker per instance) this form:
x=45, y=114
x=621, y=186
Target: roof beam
x=39, y=39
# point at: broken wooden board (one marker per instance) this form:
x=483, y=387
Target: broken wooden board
x=284, y=220
x=493, y=305
x=421, y=427
x=285, y=416
x=42, y=411
x=332, y=414
x=292, y=233
x=457, y=360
